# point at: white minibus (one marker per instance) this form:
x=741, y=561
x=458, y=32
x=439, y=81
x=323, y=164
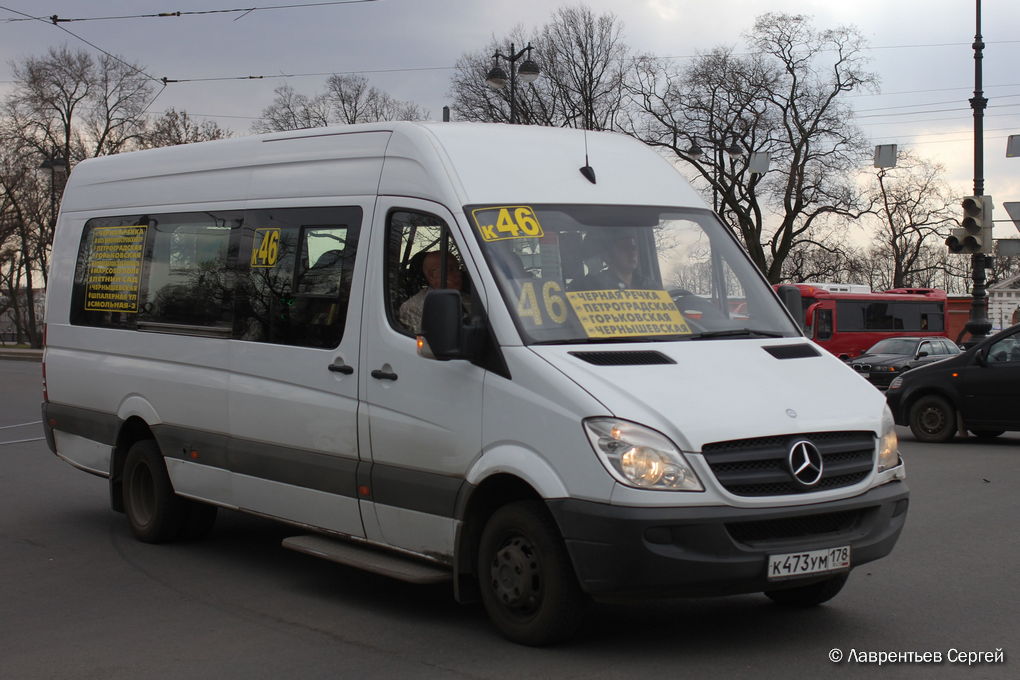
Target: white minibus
x=527, y=361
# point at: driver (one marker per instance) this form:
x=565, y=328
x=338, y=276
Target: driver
x=621, y=270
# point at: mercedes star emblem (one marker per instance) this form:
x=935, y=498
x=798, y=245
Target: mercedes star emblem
x=805, y=463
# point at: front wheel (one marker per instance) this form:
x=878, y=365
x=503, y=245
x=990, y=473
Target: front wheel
x=809, y=596
x=933, y=419
x=525, y=576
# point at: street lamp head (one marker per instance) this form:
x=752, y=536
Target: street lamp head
x=529, y=71
x=734, y=150
x=496, y=78
x=59, y=166
x=695, y=151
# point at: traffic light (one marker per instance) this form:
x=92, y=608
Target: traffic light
x=976, y=234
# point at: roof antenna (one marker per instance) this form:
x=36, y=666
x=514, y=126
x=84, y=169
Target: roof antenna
x=587, y=170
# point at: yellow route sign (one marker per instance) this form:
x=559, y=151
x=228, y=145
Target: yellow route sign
x=507, y=222
x=625, y=313
x=114, y=269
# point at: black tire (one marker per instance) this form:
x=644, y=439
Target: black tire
x=986, y=434
x=810, y=595
x=155, y=513
x=527, y=582
x=933, y=419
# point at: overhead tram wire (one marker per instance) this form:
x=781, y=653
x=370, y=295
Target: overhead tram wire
x=90, y=44
x=56, y=19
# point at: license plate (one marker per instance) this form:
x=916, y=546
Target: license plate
x=793, y=565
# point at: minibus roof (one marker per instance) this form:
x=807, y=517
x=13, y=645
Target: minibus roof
x=459, y=163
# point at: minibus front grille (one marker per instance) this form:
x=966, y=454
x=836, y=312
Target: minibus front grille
x=761, y=466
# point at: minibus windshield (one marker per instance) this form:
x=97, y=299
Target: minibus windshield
x=596, y=273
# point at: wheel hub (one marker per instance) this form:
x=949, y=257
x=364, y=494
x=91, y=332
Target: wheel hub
x=932, y=419
x=515, y=575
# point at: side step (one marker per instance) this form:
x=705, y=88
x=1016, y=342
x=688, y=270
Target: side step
x=369, y=559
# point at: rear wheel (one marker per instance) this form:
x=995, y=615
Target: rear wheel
x=808, y=596
x=933, y=419
x=156, y=514
x=525, y=576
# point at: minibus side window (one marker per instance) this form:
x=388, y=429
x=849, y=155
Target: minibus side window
x=413, y=254
x=189, y=282
x=296, y=282
x=150, y=270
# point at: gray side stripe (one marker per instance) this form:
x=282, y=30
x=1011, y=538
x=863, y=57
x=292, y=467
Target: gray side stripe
x=399, y=487
x=95, y=425
x=298, y=467
x=415, y=490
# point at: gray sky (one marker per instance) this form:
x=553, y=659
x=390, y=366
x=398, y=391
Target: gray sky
x=920, y=50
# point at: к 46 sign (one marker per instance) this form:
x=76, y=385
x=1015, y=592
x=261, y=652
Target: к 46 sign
x=507, y=222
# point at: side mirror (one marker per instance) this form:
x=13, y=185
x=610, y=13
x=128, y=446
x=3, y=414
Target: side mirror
x=920, y=354
x=981, y=357
x=442, y=331
x=792, y=300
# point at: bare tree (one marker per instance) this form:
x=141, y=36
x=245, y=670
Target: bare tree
x=584, y=61
x=76, y=105
x=784, y=98
x=25, y=236
x=353, y=100
x=64, y=107
x=348, y=99
x=915, y=209
x=292, y=111
x=177, y=127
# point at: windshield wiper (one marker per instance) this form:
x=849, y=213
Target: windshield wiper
x=737, y=333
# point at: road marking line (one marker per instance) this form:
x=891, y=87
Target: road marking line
x=8, y=427
x=23, y=441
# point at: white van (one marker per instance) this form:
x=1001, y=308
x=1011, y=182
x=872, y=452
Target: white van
x=606, y=396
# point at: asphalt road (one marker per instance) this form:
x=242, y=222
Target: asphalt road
x=79, y=598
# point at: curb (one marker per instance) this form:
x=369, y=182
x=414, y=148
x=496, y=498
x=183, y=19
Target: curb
x=21, y=354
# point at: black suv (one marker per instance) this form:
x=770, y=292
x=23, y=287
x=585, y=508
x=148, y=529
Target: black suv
x=888, y=358
x=978, y=390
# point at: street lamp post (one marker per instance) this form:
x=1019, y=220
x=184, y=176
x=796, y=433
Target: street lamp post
x=719, y=147
x=57, y=166
x=497, y=77
x=978, y=325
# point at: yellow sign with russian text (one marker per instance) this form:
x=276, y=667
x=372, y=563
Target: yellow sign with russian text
x=115, y=268
x=625, y=313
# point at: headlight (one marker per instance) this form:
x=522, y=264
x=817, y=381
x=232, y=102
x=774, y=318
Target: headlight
x=896, y=383
x=639, y=456
x=888, y=451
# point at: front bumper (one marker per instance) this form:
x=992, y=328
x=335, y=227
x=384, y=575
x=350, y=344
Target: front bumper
x=719, y=550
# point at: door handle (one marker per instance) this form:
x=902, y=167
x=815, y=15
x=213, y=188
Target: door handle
x=380, y=374
x=340, y=367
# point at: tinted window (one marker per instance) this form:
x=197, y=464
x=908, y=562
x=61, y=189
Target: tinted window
x=888, y=316
x=168, y=268
x=188, y=279
x=414, y=243
x=298, y=282
x=276, y=275
x=1006, y=350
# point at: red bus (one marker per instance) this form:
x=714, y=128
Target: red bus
x=846, y=319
